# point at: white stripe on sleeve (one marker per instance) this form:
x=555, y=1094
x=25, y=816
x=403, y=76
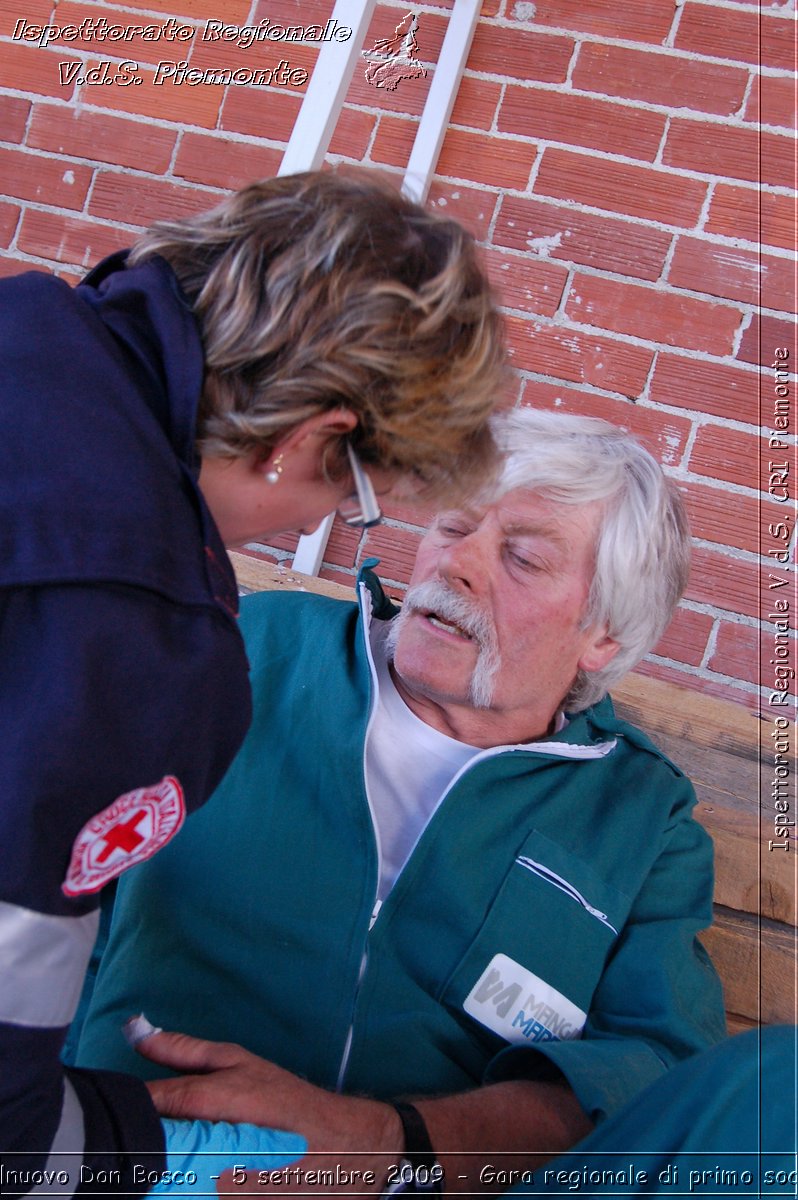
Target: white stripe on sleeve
x=43, y=961
x=63, y=1165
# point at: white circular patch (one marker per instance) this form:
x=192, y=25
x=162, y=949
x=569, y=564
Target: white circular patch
x=127, y=832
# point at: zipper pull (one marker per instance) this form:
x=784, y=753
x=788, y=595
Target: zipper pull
x=374, y=914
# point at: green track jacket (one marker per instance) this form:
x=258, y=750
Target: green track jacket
x=547, y=916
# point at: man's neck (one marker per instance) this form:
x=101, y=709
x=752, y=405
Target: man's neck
x=482, y=727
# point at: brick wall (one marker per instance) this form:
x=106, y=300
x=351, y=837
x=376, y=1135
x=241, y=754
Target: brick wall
x=627, y=168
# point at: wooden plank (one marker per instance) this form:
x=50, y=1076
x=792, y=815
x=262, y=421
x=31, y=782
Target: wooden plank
x=757, y=963
x=689, y=716
x=257, y=575
x=748, y=876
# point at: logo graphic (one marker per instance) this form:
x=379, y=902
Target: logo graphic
x=129, y=831
x=396, y=57
x=521, y=1007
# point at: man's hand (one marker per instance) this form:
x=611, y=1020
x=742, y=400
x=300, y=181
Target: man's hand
x=519, y=1125
x=223, y=1082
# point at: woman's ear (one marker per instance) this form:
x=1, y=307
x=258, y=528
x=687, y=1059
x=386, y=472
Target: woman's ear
x=333, y=423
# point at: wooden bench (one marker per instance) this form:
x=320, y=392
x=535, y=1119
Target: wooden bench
x=752, y=940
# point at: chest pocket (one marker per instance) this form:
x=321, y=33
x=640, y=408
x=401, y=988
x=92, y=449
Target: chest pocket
x=530, y=973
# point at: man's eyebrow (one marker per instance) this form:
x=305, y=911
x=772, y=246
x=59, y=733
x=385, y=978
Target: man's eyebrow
x=526, y=528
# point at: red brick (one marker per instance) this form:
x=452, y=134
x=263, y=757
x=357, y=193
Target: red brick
x=631, y=191
x=283, y=541
x=730, y=455
x=31, y=69
x=757, y=216
x=353, y=134
x=559, y=232
x=395, y=548
x=9, y=215
x=655, y=314
x=260, y=56
x=69, y=240
x=408, y=99
x=750, y=36
x=685, y=639
x=135, y=47
x=261, y=112
x=526, y=282
x=293, y=12
x=341, y=549
x=45, y=180
x=571, y=354
x=13, y=118
x=706, y=387
x=643, y=21
x=102, y=138
x=235, y=11
x=342, y=545
x=772, y=101
x=557, y=116
x=36, y=12
x=429, y=35
x=520, y=54
x=734, y=153
x=420, y=514
x=182, y=103
x=222, y=163
x=728, y=518
x=482, y=158
x=471, y=207
x=736, y=652
x=11, y=265
x=726, y=583
x=660, y=78
x=475, y=105
x=762, y=337
x=118, y=196
x=664, y=435
x=734, y=274
x=700, y=683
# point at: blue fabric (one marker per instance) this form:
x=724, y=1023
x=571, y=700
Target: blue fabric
x=121, y=657
x=206, y=1148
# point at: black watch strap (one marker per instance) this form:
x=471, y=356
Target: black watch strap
x=418, y=1148
x=418, y=1173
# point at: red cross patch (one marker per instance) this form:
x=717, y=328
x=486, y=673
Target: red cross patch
x=127, y=832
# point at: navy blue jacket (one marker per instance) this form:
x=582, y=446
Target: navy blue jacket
x=123, y=678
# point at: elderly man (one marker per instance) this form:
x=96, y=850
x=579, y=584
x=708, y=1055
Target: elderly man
x=441, y=867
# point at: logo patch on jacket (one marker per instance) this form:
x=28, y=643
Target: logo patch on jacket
x=127, y=832
x=521, y=1007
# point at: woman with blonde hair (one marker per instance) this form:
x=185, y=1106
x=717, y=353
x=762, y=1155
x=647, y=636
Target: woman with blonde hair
x=313, y=340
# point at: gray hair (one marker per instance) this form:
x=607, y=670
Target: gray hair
x=642, y=553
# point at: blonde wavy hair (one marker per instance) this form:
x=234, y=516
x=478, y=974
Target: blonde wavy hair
x=325, y=290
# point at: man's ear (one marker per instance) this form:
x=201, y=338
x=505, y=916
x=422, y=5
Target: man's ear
x=600, y=650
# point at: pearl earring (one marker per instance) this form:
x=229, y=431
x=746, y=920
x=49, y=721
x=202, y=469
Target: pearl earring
x=273, y=475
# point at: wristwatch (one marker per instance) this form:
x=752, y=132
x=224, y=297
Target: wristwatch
x=418, y=1172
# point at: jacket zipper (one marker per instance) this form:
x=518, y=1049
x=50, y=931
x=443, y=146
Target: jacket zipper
x=365, y=613
x=570, y=751
x=545, y=873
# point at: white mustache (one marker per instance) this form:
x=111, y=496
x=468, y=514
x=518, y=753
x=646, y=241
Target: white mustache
x=437, y=597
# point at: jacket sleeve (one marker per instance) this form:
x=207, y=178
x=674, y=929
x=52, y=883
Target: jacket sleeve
x=659, y=999
x=104, y=690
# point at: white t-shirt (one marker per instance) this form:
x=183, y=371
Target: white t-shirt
x=409, y=765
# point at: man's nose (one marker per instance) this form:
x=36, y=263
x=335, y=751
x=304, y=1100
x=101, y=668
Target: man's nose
x=461, y=563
